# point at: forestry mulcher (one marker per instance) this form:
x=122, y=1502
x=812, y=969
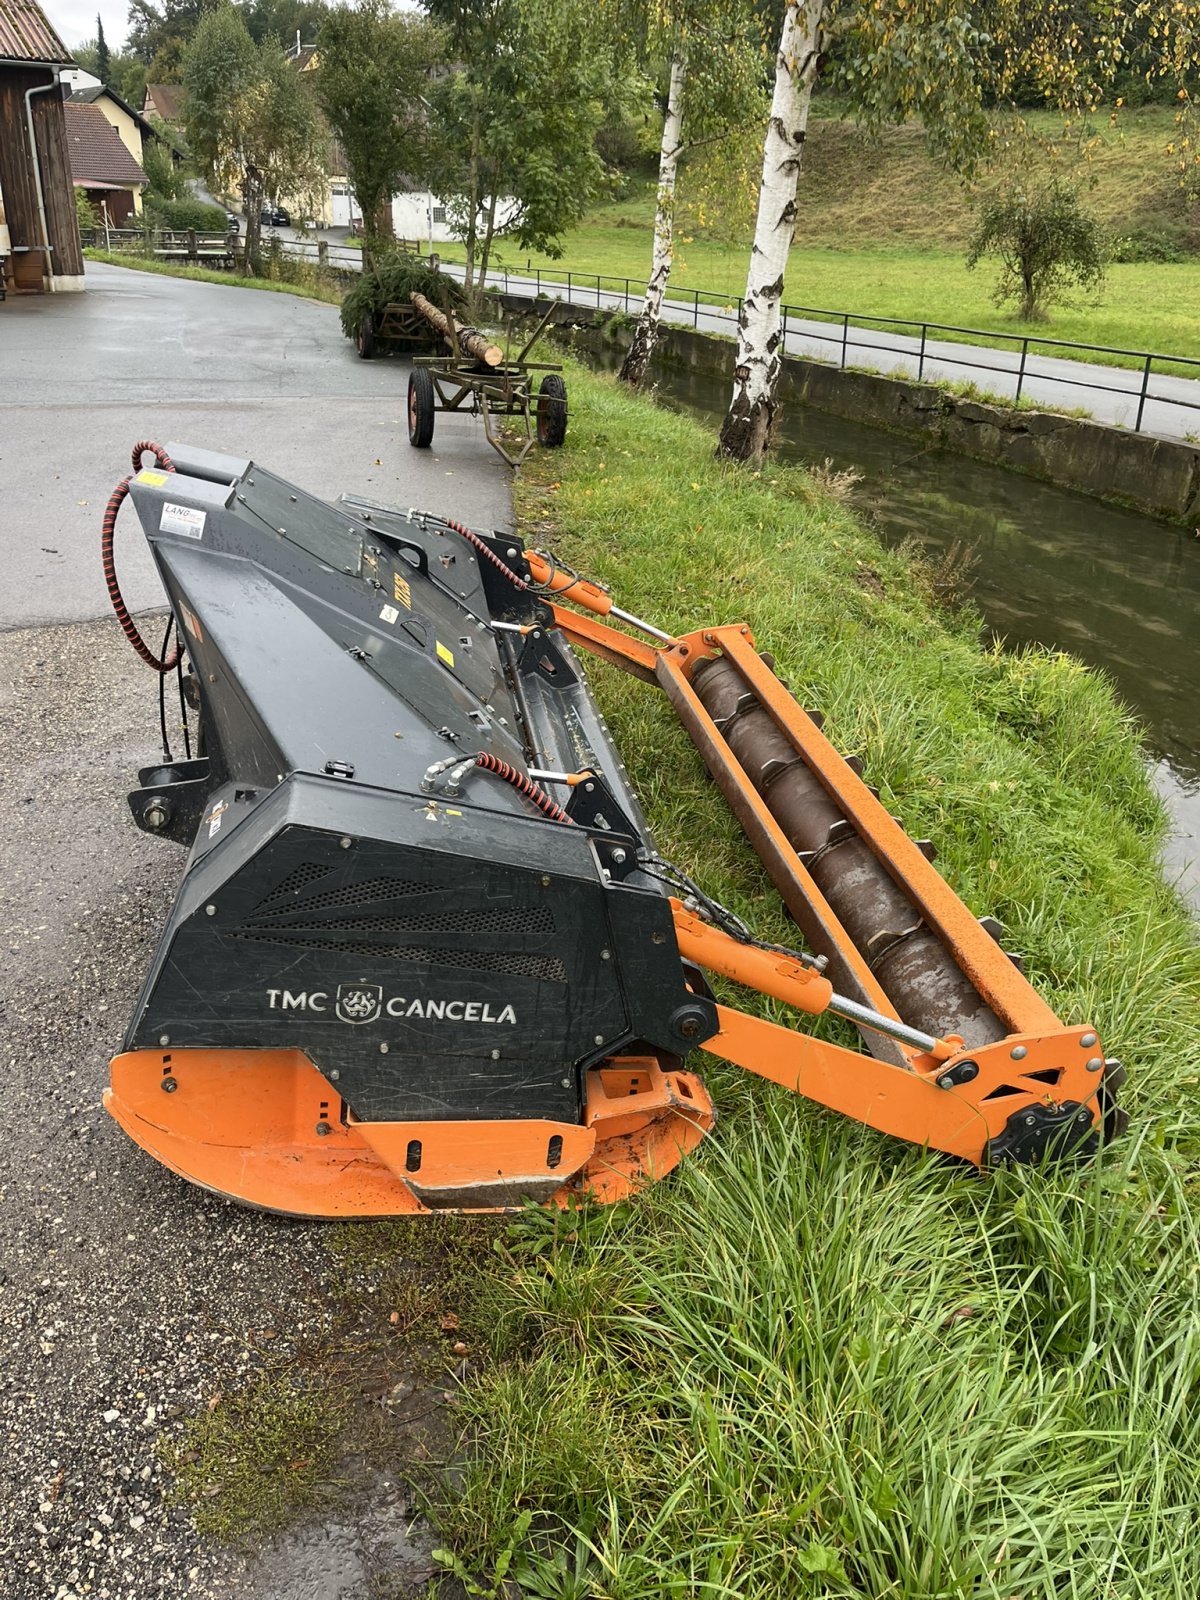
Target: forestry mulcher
x=425, y=955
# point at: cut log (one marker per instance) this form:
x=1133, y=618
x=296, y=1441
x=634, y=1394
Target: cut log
x=470, y=340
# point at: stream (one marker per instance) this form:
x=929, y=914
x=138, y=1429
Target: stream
x=1047, y=566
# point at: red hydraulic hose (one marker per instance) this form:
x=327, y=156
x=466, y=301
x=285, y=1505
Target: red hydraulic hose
x=108, y=529
x=524, y=785
x=477, y=543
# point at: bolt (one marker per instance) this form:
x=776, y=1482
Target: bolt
x=384, y=1048
x=155, y=815
x=690, y=1027
x=164, y=1038
x=618, y=858
x=599, y=1038
x=212, y=677
x=322, y=1129
x=1019, y=1052
x=334, y=1074
x=658, y=938
x=1030, y=1122
x=210, y=910
x=606, y=955
x=588, y=788
x=1094, y=1064
x=545, y=881
x=168, y=1086
x=514, y=552
x=566, y=1082
x=495, y=1055
x=1083, y=1116
x=345, y=843
x=1087, y=1041
x=710, y=638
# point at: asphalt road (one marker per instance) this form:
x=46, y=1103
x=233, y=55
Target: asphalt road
x=241, y=370
x=129, y=1299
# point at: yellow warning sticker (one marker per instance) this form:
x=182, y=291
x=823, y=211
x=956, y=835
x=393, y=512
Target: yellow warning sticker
x=155, y=480
x=445, y=655
x=402, y=591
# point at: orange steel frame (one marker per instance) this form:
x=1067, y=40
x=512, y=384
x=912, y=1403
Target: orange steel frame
x=1042, y=1062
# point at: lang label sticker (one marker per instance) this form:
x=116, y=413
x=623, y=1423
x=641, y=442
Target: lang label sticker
x=182, y=519
x=445, y=655
x=389, y=613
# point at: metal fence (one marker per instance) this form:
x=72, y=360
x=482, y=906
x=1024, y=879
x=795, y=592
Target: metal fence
x=911, y=348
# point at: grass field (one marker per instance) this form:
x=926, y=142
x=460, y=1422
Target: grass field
x=882, y=232
x=814, y=1362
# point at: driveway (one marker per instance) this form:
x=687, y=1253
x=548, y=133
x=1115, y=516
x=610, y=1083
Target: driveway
x=129, y=1300
x=241, y=370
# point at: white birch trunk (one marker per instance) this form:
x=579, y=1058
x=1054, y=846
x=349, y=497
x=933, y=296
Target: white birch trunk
x=746, y=431
x=633, y=369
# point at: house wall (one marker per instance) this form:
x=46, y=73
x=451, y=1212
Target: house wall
x=127, y=129
x=30, y=266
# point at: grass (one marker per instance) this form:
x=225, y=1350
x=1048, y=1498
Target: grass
x=882, y=233
x=815, y=1362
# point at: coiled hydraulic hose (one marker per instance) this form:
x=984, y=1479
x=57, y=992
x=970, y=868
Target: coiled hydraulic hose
x=477, y=543
x=108, y=530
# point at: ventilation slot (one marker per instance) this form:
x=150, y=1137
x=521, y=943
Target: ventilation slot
x=484, y=919
x=545, y=969
x=297, y=879
x=353, y=894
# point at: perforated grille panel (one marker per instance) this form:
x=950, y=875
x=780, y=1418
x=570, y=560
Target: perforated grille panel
x=547, y=969
x=352, y=894
x=297, y=880
x=476, y=919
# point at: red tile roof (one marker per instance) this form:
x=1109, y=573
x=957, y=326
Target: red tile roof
x=167, y=98
x=97, y=154
x=26, y=34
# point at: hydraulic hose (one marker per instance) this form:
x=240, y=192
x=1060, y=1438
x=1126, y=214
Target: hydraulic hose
x=108, y=530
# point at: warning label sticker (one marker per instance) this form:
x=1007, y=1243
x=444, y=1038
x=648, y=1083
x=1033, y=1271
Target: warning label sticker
x=402, y=591
x=444, y=654
x=389, y=613
x=154, y=479
x=182, y=519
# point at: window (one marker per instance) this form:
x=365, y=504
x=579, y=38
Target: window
x=439, y=214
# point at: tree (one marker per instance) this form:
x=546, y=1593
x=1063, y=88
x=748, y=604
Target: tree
x=514, y=154
x=379, y=116
x=250, y=122
x=714, y=53
x=948, y=62
x=103, y=55
x=1047, y=244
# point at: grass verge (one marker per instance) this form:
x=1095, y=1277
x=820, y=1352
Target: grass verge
x=308, y=290
x=815, y=1362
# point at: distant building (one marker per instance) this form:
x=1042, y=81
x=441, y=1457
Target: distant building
x=131, y=126
x=165, y=101
x=39, y=236
x=102, y=166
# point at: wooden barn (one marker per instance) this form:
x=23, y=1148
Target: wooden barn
x=39, y=236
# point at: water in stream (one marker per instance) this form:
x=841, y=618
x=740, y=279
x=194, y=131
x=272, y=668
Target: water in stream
x=1050, y=566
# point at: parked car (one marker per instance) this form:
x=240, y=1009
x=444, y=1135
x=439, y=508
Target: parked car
x=233, y=223
x=274, y=217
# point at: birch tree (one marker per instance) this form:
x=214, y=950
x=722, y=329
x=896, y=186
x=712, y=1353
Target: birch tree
x=952, y=63
x=715, y=54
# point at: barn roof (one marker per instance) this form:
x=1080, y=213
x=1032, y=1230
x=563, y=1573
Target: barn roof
x=167, y=97
x=26, y=34
x=97, y=155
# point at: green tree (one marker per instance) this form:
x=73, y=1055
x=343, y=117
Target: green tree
x=714, y=55
x=379, y=116
x=514, y=156
x=250, y=122
x=1047, y=244
x=951, y=63
x=103, y=54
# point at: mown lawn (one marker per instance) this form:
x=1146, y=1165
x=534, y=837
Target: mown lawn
x=815, y=1362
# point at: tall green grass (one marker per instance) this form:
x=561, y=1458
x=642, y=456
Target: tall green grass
x=815, y=1362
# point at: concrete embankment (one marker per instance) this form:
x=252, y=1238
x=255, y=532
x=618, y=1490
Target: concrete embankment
x=1160, y=477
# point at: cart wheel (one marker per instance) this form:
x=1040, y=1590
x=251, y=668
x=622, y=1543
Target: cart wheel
x=420, y=408
x=365, y=343
x=552, y=410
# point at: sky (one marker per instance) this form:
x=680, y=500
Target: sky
x=75, y=20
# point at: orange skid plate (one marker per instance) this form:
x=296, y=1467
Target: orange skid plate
x=266, y=1128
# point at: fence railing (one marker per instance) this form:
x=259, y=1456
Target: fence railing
x=910, y=348
x=190, y=244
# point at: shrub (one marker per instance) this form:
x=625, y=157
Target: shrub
x=1162, y=243
x=186, y=212
x=1047, y=244
x=396, y=275
x=85, y=211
